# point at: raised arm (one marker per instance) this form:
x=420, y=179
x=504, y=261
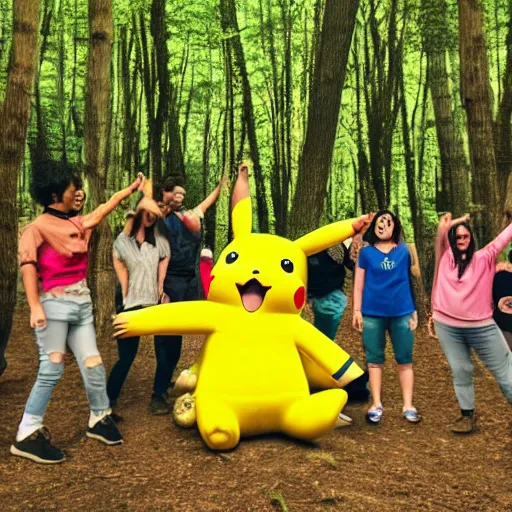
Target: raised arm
x=194, y=317
x=214, y=195
x=326, y=364
x=500, y=242
x=446, y=222
x=95, y=217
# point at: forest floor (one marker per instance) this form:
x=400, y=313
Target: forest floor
x=394, y=466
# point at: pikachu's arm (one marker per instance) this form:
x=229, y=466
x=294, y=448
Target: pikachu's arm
x=194, y=317
x=326, y=236
x=326, y=364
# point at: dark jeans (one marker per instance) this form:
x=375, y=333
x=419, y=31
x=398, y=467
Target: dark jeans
x=167, y=351
x=179, y=289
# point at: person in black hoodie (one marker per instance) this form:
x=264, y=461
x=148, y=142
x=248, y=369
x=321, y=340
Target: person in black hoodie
x=502, y=297
x=326, y=277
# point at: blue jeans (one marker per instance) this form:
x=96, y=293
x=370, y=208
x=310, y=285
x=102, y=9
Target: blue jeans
x=328, y=311
x=374, y=338
x=490, y=346
x=67, y=321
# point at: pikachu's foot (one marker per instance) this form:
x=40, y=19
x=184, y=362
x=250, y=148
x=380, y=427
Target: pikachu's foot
x=314, y=415
x=218, y=424
x=186, y=382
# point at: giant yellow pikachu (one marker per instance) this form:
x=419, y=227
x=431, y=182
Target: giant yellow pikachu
x=253, y=365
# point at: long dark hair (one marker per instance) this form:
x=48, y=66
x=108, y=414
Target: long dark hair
x=149, y=232
x=462, y=263
x=396, y=236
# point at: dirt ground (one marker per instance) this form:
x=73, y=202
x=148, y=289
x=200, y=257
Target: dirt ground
x=394, y=466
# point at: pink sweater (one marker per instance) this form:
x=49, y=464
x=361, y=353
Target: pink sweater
x=466, y=301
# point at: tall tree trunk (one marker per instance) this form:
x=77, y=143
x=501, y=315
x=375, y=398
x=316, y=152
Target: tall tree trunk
x=159, y=33
x=454, y=167
x=503, y=130
x=474, y=73
x=229, y=23
x=97, y=125
x=14, y=118
x=323, y=112
x=39, y=151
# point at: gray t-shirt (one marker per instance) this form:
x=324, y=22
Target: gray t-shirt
x=142, y=264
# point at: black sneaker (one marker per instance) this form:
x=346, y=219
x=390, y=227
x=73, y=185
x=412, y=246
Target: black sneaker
x=159, y=405
x=37, y=447
x=105, y=431
x=117, y=418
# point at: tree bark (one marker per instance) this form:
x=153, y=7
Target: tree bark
x=323, y=112
x=229, y=23
x=97, y=127
x=14, y=118
x=453, y=195
x=474, y=78
x=503, y=130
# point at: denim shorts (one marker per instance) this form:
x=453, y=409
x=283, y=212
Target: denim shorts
x=374, y=338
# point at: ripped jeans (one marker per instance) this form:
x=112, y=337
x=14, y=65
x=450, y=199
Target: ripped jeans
x=69, y=319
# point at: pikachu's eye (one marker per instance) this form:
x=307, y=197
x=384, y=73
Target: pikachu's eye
x=231, y=257
x=287, y=266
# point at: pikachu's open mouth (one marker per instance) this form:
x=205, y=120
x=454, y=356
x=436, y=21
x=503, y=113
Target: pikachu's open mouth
x=252, y=294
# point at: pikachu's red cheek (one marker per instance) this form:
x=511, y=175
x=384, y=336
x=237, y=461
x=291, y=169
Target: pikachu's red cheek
x=300, y=297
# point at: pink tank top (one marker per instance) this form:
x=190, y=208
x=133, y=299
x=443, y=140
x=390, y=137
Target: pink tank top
x=58, y=270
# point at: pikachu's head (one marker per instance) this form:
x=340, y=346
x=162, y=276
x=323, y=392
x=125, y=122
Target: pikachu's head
x=264, y=273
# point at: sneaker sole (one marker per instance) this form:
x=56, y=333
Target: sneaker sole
x=103, y=439
x=161, y=412
x=32, y=457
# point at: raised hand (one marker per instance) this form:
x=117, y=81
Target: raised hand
x=361, y=224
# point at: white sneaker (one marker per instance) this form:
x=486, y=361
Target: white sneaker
x=343, y=421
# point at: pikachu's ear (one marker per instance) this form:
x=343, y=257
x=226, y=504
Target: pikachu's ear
x=241, y=209
x=326, y=237
x=241, y=217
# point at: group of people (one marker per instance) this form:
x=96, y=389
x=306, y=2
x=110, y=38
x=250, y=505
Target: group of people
x=157, y=258
x=471, y=306
x=53, y=256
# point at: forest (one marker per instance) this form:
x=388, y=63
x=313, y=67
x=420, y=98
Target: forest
x=341, y=107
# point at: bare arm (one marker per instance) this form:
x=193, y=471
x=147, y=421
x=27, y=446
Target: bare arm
x=31, y=285
x=94, y=218
x=214, y=195
x=357, y=318
x=415, y=263
x=122, y=275
x=162, y=270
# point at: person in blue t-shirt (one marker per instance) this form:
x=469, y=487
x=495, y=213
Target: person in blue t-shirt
x=383, y=302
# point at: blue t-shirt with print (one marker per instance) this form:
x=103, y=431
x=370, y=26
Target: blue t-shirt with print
x=387, y=287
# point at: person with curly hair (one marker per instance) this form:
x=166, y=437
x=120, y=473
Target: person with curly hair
x=53, y=256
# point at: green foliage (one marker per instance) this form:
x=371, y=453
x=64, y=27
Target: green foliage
x=197, y=68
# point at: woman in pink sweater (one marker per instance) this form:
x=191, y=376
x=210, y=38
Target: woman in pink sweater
x=462, y=307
